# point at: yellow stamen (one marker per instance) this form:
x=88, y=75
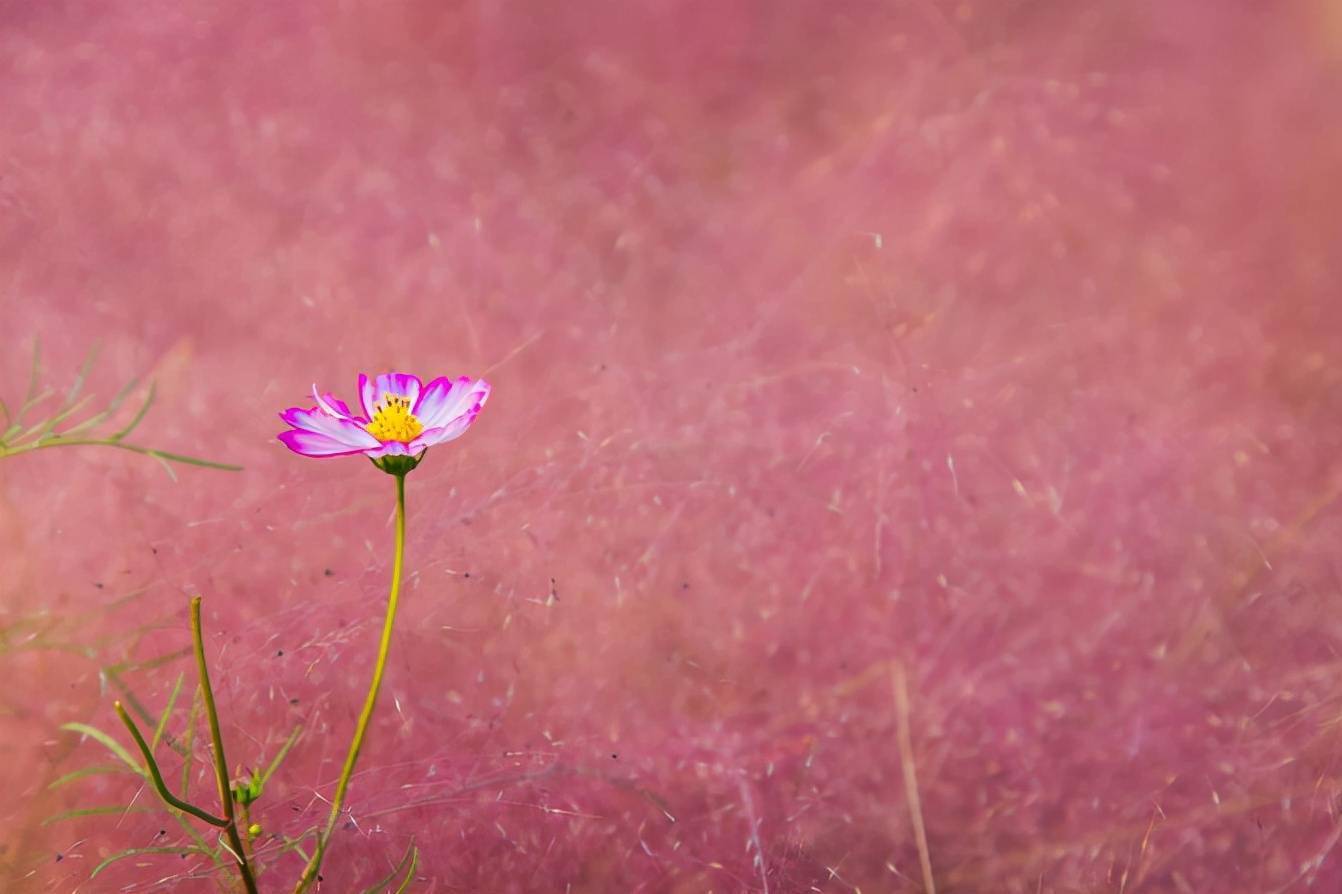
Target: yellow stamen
x=393, y=421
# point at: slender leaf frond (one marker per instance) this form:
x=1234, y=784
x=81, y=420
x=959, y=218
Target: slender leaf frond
x=411, y=859
x=137, y=851
x=52, y=429
x=107, y=742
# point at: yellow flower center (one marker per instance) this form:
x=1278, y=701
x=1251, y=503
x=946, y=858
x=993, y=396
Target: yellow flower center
x=393, y=421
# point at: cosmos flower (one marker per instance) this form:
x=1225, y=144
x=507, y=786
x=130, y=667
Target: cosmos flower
x=402, y=417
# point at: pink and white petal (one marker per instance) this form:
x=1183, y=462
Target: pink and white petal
x=389, y=448
x=432, y=398
x=426, y=438
x=330, y=404
x=374, y=392
x=316, y=420
x=366, y=395
x=345, y=431
x=316, y=444
x=445, y=400
x=444, y=433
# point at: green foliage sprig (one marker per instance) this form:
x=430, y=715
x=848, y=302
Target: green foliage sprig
x=55, y=426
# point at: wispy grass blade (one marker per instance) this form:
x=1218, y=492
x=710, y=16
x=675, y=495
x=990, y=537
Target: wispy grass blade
x=105, y=413
x=44, y=428
x=111, y=676
x=94, y=811
x=122, y=667
x=166, y=467
x=215, y=855
x=139, y=414
x=295, y=845
x=97, y=770
x=184, y=460
x=188, y=752
x=157, y=777
x=410, y=859
x=107, y=742
x=160, y=455
x=35, y=374
x=283, y=753
x=82, y=376
x=410, y=873
x=167, y=712
x=138, y=851
x=47, y=432
x=29, y=404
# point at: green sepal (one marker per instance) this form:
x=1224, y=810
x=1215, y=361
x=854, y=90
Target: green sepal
x=399, y=465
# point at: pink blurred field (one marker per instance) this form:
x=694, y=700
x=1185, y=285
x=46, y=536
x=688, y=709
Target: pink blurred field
x=997, y=341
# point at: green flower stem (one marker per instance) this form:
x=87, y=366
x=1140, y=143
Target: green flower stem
x=247, y=830
x=157, y=776
x=310, y=872
x=220, y=762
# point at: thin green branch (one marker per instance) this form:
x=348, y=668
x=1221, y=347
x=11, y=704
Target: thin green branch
x=82, y=376
x=188, y=754
x=105, y=741
x=105, y=413
x=109, y=810
x=28, y=404
x=97, y=770
x=19, y=437
x=220, y=762
x=192, y=719
x=409, y=873
x=139, y=415
x=167, y=711
x=183, y=850
x=42, y=429
x=112, y=674
x=57, y=441
x=283, y=753
x=410, y=860
x=159, y=784
x=35, y=374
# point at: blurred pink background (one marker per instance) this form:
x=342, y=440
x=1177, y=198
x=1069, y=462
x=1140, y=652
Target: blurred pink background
x=999, y=341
